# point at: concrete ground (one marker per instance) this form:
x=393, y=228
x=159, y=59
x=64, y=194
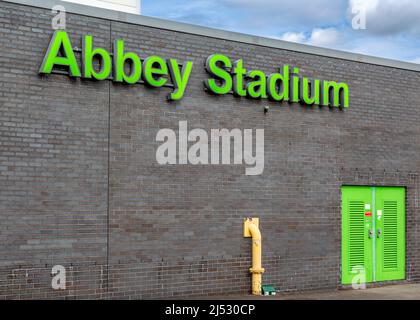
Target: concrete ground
x=391, y=292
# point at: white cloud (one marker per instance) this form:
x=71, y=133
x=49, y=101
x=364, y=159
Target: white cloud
x=296, y=14
x=293, y=37
x=327, y=37
x=324, y=37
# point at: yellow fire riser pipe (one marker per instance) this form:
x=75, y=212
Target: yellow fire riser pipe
x=256, y=269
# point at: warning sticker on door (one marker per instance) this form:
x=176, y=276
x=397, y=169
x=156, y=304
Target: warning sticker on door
x=379, y=214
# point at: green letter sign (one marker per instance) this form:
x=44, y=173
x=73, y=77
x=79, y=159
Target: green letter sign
x=120, y=58
x=226, y=77
x=154, y=68
x=60, y=43
x=220, y=72
x=88, y=53
x=179, y=78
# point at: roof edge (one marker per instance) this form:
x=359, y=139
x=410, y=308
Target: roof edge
x=216, y=33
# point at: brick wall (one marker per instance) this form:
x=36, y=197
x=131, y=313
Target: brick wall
x=80, y=186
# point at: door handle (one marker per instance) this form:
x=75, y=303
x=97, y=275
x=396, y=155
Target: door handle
x=379, y=233
x=370, y=234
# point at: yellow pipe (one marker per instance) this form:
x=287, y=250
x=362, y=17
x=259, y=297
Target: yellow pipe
x=251, y=230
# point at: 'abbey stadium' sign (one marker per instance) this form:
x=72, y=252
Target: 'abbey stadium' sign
x=226, y=76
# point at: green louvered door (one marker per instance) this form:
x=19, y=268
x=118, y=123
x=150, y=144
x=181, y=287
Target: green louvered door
x=357, y=234
x=373, y=234
x=390, y=234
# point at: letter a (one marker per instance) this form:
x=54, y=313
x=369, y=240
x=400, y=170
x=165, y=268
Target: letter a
x=60, y=42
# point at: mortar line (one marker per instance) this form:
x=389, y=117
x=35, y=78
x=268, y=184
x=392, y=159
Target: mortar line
x=109, y=170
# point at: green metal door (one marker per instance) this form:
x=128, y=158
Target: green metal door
x=356, y=233
x=373, y=233
x=390, y=234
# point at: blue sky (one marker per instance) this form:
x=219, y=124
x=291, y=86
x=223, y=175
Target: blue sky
x=392, y=26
